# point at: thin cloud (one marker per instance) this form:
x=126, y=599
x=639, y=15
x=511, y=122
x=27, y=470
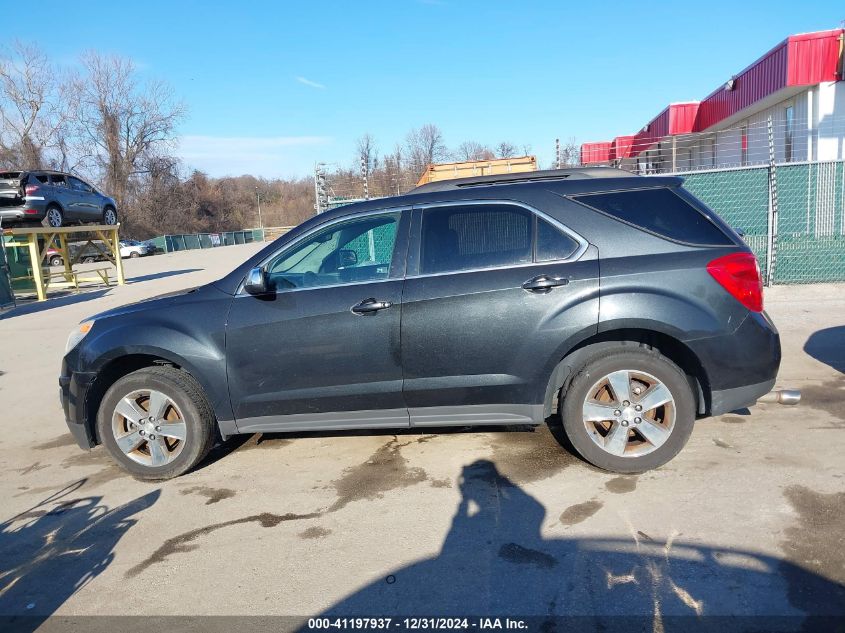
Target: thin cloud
x=310, y=84
x=261, y=156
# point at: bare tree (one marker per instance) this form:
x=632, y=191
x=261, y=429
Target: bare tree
x=33, y=107
x=123, y=123
x=505, y=150
x=471, y=150
x=570, y=153
x=425, y=146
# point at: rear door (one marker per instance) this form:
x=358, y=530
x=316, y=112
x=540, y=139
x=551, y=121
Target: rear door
x=493, y=290
x=87, y=202
x=65, y=196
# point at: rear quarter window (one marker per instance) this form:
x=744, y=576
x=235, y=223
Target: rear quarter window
x=659, y=211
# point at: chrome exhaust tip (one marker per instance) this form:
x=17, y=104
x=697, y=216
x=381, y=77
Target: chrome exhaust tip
x=782, y=396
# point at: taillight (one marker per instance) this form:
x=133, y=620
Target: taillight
x=31, y=189
x=31, y=211
x=739, y=274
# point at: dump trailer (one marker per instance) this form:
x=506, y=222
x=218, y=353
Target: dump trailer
x=470, y=168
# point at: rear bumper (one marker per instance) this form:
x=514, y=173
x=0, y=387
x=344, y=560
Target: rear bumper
x=727, y=400
x=73, y=392
x=740, y=366
x=17, y=214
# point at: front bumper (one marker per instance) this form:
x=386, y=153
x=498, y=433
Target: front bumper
x=73, y=392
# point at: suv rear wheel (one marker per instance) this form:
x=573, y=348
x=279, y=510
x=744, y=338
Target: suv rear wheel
x=629, y=410
x=109, y=216
x=53, y=218
x=156, y=423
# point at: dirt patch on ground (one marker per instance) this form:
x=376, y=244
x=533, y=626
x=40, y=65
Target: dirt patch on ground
x=816, y=543
x=520, y=555
x=186, y=542
x=315, y=532
x=530, y=455
x=212, y=495
x=827, y=396
x=386, y=469
x=580, y=512
x=733, y=419
x=621, y=485
x=59, y=442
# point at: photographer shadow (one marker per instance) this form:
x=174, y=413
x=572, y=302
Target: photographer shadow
x=495, y=562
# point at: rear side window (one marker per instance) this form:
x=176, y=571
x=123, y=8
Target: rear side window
x=659, y=211
x=553, y=244
x=464, y=238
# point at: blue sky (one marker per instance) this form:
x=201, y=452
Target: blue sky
x=273, y=86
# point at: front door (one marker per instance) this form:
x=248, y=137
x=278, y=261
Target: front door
x=322, y=350
x=497, y=291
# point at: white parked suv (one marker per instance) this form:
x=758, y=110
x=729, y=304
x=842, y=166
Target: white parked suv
x=133, y=248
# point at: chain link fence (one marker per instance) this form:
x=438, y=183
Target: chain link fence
x=806, y=244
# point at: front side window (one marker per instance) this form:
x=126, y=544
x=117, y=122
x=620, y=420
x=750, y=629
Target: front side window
x=348, y=252
x=475, y=236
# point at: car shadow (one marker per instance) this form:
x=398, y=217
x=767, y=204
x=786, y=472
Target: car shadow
x=166, y=273
x=52, y=550
x=222, y=449
x=32, y=306
x=495, y=562
x=828, y=346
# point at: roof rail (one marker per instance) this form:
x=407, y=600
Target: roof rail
x=573, y=173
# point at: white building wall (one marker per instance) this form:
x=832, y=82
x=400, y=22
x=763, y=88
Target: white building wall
x=818, y=133
x=830, y=121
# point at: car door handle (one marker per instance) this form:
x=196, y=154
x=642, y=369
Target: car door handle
x=544, y=283
x=370, y=305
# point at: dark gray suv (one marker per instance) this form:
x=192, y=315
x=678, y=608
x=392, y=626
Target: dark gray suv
x=620, y=302
x=52, y=198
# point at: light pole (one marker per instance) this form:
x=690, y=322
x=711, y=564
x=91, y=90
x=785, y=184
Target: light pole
x=258, y=197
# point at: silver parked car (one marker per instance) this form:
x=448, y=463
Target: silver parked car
x=52, y=198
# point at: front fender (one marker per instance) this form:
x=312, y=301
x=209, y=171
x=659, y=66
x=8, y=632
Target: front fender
x=188, y=332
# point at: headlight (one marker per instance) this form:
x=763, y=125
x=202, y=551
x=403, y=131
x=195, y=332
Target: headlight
x=77, y=335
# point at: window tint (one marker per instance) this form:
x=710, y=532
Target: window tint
x=58, y=181
x=358, y=250
x=659, y=211
x=78, y=185
x=463, y=238
x=553, y=243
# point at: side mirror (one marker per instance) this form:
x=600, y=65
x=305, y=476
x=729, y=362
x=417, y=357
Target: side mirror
x=348, y=258
x=256, y=281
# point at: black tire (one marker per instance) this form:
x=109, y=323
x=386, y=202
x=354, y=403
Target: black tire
x=134, y=254
x=55, y=260
x=53, y=217
x=109, y=216
x=187, y=394
x=628, y=356
x=88, y=260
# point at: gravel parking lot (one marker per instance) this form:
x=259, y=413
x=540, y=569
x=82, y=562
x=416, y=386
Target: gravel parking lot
x=747, y=520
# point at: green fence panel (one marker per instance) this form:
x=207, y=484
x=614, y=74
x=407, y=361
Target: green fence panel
x=811, y=223
x=741, y=198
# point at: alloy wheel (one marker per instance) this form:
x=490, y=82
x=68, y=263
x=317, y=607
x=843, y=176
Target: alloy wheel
x=54, y=217
x=629, y=413
x=149, y=427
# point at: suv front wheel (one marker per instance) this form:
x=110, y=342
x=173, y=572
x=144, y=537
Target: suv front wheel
x=629, y=410
x=156, y=423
